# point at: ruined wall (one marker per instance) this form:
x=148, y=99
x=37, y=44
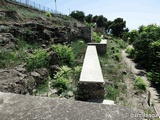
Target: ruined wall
x=100, y=30
x=86, y=33
x=92, y=90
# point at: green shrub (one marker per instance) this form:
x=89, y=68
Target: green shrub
x=48, y=14
x=140, y=84
x=131, y=52
x=43, y=88
x=154, y=76
x=117, y=57
x=96, y=37
x=65, y=72
x=38, y=59
x=65, y=54
x=62, y=84
x=76, y=72
x=62, y=79
x=111, y=93
x=9, y=58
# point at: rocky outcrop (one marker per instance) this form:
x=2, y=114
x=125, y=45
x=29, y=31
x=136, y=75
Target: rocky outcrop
x=38, y=33
x=9, y=14
x=7, y=41
x=18, y=80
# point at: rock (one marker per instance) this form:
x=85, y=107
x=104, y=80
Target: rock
x=7, y=41
x=43, y=72
x=22, y=107
x=53, y=58
x=35, y=74
x=53, y=70
x=124, y=72
x=15, y=81
x=54, y=91
x=70, y=94
x=22, y=70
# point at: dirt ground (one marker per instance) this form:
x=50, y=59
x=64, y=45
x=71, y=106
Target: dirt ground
x=150, y=97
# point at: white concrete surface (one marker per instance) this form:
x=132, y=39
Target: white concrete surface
x=91, y=70
x=103, y=41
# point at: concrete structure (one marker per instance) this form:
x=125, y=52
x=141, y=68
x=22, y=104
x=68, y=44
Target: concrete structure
x=91, y=71
x=101, y=47
x=100, y=30
x=20, y=107
x=87, y=33
x=91, y=83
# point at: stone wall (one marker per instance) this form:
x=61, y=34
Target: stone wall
x=100, y=30
x=101, y=48
x=88, y=91
x=86, y=33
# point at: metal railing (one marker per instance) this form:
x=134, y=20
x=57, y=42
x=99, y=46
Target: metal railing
x=34, y=5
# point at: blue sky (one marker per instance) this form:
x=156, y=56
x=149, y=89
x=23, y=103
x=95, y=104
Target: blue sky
x=135, y=12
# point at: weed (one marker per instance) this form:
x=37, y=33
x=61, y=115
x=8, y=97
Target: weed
x=38, y=59
x=43, y=88
x=96, y=37
x=111, y=92
x=48, y=14
x=140, y=84
x=65, y=54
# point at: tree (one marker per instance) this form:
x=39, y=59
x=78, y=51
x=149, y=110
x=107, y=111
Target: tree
x=101, y=21
x=94, y=18
x=118, y=26
x=88, y=18
x=79, y=15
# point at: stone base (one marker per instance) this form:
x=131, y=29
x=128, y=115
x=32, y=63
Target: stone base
x=88, y=91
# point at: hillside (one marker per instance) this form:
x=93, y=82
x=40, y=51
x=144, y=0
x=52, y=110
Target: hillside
x=42, y=55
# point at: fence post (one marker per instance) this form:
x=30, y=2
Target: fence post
x=34, y=4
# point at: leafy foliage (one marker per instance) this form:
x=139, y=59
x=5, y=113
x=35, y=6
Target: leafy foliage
x=96, y=37
x=140, y=84
x=146, y=42
x=118, y=27
x=8, y=58
x=65, y=54
x=48, y=14
x=79, y=15
x=62, y=79
x=38, y=59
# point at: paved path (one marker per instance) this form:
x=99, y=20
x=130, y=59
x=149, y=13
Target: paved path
x=142, y=73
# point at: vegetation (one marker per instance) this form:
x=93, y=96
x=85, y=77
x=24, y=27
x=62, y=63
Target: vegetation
x=117, y=27
x=79, y=15
x=38, y=59
x=146, y=43
x=48, y=14
x=112, y=67
x=65, y=54
x=96, y=37
x=140, y=84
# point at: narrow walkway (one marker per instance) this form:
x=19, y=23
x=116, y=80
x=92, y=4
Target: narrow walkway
x=142, y=73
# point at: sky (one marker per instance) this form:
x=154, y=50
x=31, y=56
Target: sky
x=134, y=12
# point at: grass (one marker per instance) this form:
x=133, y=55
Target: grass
x=140, y=84
x=112, y=67
x=79, y=48
x=43, y=88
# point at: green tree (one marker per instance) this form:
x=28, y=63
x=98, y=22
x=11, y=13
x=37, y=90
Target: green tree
x=94, y=18
x=101, y=21
x=118, y=27
x=79, y=15
x=88, y=18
